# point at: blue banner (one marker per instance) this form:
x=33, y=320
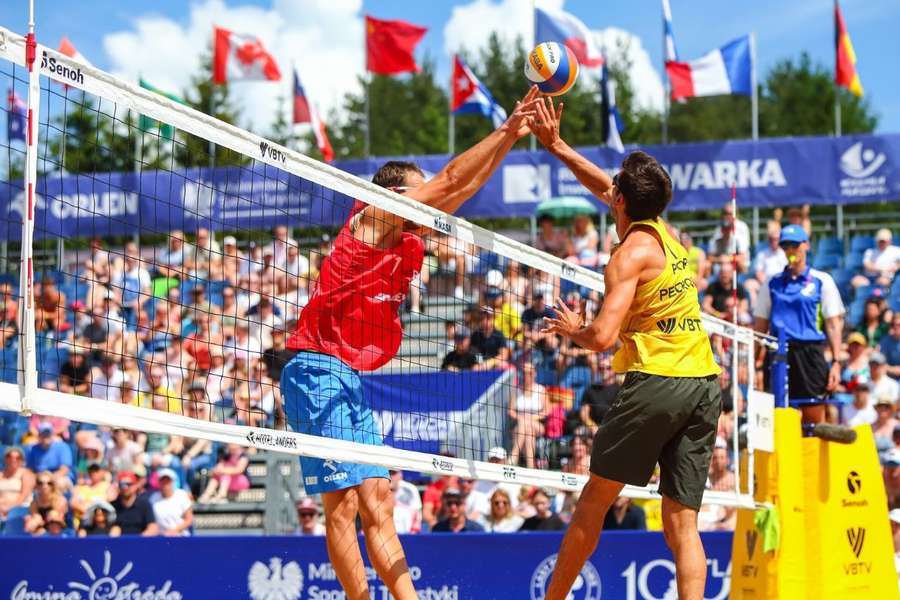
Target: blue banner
x=772, y=172
x=627, y=565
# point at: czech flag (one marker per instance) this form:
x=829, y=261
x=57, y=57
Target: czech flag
x=16, y=117
x=845, y=75
x=727, y=70
x=238, y=56
x=565, y=28
x=305, y=113
x=471, y=97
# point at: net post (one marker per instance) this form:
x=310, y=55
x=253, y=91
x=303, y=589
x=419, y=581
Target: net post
x=27, y=365
x=779, y=372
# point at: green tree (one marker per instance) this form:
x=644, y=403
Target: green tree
x=214, y=100
x=282, y=131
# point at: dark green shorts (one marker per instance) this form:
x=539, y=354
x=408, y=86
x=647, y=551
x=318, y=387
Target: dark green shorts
x=667, y=420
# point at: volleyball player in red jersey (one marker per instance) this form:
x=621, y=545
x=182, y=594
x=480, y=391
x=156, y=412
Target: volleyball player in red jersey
x=351, y=324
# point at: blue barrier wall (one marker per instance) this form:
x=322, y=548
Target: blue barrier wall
x=627, y=566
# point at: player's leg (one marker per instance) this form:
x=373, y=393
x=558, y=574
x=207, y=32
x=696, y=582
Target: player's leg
x=582, y=534
x=680, y=530
x=341, y=508
x=376, y=509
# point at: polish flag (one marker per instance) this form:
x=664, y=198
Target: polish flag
x=238, y=56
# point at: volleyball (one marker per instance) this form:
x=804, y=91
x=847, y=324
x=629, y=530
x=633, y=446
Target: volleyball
x=552, y=67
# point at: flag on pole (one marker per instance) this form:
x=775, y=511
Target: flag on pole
x=845, y=74
x=469, y=96
x=304, y=112
x=66, y=48
x=239, y=56
x=146, y=123
x=390, y=46
x=565, y=28
x=612, y=122
x=16, y=116
x=671, y=52
x=726, y=70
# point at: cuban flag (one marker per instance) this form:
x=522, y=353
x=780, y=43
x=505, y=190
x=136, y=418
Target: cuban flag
x=725, y=71
x=671, y=52
x=305, y=113
x=471, y=97
x=565, y=28
x=16, y=117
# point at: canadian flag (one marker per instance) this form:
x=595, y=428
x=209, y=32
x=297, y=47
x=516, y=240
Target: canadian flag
x=241, y=56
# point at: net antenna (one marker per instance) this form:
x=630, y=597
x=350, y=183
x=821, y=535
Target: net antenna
x=271, y=184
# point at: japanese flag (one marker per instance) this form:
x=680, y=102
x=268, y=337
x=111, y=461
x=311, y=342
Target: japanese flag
x=239, y=56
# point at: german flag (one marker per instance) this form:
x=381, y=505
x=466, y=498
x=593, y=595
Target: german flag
x=845, y=74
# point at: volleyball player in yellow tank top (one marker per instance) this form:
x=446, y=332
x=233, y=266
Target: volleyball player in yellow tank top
x=667, y=410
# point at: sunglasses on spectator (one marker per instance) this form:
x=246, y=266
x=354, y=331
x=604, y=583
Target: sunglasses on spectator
x=789, y=245
x=453, y=502
x=307, y=514
x=44, y=482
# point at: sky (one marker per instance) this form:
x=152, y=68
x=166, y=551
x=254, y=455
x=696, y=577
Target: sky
x=162, y=40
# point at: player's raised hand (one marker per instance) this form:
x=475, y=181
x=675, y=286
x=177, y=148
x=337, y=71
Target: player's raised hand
x=545, y=124
x=567, y=321
x=526, y=109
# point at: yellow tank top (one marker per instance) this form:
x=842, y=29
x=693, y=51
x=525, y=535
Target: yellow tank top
x=662, y=334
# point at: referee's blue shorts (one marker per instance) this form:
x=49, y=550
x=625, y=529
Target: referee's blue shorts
x=323, y=397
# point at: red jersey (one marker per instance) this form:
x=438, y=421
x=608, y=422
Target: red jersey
x=354, y=313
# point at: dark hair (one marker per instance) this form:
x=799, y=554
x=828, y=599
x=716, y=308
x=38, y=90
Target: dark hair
x=645, y=185
x=393, y=173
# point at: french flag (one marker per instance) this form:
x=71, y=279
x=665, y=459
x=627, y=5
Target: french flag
x=471, y=97
x=565, y=28
x=727, y=70
x=304, y=113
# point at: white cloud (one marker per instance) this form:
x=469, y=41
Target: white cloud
x=471, y=24
x=322, y=37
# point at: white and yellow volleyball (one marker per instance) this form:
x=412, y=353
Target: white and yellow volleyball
x=552, y=67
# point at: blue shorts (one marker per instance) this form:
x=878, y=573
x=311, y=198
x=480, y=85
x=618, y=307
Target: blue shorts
x=323, y=397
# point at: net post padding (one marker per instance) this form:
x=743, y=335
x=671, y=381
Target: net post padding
x=111, y=414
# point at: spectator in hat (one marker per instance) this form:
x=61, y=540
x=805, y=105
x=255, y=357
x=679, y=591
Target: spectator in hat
x=892, y=476
x=461, y=358
x=544, y=518
x=498, y=456
x=857, y=365
x=860, y=411
x=308, y=518
x=885, y=421
x=99, y=519
x=890, y=347
x=883, y=386
x=407, y=504
x=92, y=451
x=49, y=454
x=172, y=507
x=879, y=263
x=296, y=265
x=263, y=321
x=489, y=342
x=533, y=316
x=95, y=486
x=455, y=520
x=54, y=525
x=134, y=514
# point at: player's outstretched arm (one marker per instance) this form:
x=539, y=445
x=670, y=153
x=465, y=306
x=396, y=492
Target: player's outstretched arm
x=465, y=174
x=545, y=127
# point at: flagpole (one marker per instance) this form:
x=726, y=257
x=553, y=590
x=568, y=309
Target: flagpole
x=532, y=141
x=451, y=133
x=837, y=97
x=666, y=91
x=754, y=97
x=366, y=84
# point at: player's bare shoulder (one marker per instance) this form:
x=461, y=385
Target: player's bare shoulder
x=641, y=251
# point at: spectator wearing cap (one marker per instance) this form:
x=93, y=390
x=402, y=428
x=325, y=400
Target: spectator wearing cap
x=507, y=317
x=99, y=519
x=172, y=507
x=455, y=520
x=891, y=465
x=96, y=485
x=544, y=519
x=92, y=451
x=860, y=411
x=134, y=514
x=890, y=347
x=47, y=498
x=885, y=421
x=54, y=525
x=873, y=326
x=624, y=515
x=857, y=364
x=432, y=505
x=308, y=518
x=49, y=454
x=263, y=321
x=533, y=316
x=16, y=482
x=461, y=358
x=879, y=263
x=793, y=303
x=169, y=262
x=498, y=456
x=883, y=385
x=407, y=504
x=489, y=342
x=74, y=374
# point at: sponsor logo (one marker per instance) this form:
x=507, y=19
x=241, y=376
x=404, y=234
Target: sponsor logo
x=567, y=270
x=587, y=585
x=863, y=169
x=526, y=183
x=113, y=203
x=62, y=71
x=442, y=465
x=276, y=581
x=750, y=538
x=679, y=265
x=267, y=151
x=569, y=480
x=442, y=225
x=335, y=475
x=676, y=290
x=311, y=480
x=671, y=324
x=258, y=438
x=425, y=426
x=100, y=584
x=719, y=174
x=854, y=482
x=856, y=537
x=509, y=472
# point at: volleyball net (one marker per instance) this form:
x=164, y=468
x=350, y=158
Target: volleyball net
x=166, y=256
